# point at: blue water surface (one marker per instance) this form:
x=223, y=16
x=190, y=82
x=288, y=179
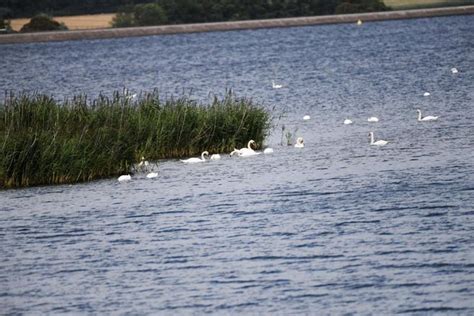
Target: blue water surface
x=336, y=227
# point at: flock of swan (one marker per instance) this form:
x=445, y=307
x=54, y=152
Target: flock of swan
x=249, y=151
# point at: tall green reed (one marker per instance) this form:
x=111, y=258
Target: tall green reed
x=44, y=141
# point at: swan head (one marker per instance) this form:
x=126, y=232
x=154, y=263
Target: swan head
x=251, y=142
x=205, y=153
x=300, y=140
x=143, y=158
x=371, y=133
x=418, y=110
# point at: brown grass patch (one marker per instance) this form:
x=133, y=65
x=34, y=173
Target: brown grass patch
x=78, y=22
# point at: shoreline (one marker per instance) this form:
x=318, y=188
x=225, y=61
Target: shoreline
x=230, y=26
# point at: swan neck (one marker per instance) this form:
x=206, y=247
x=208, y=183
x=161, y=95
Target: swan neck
x=371, y=138
x=419, y=115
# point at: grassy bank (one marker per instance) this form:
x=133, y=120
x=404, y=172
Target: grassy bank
x=44, y=141
x=423, y=4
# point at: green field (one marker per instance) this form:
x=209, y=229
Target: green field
x=419, y=4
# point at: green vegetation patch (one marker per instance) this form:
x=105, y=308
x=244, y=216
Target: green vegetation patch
x=42, y=22
x=44, y=141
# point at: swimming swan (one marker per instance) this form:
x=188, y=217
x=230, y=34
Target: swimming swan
x=372, y=119
x=194, y=159
x=268, y=150
x=143, y=165
x=248, y=151
x=426, y=118
x=276, y=86
x=215, y=157
x=426, y=94
x=124, y=178
x=152, y=175
x=306, y=117
x=347, y=122
x=454, y=70
x=377, y=143
x=299, y=142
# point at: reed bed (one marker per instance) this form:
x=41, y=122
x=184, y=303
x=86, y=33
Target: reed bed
x=45, y=141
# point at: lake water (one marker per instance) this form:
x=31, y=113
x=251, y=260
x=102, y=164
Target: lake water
x=336, y=227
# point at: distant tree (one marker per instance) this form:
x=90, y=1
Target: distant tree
x=42, y=22
x=149, y=14
x=359, y=6
x=122, y=19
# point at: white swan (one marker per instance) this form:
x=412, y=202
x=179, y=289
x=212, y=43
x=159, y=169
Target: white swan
x=347, y=122
x=195, y=160
x=268, y=150
x=152, y=175
x=235, y=152
x=124, y=178
x=215, y=157
x=276, y=86
x=372, y=119
x=359, y=22
x=306, y=117
x=380, y=142
x=454, y=70
x=426, y=118
x=426, y=94
x=248, y=151
x=143, y=165
x=299, y=142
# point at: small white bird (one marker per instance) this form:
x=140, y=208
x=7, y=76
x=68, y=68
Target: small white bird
x=152, y=175
x=359, y=22
x=215, y=157
x=195, y=160
x=347, y=122
x=276, y=86
x=306, y=117
x=426, y=94
x=376, y=143
x=372, y=119
x=124, y=178
x=268, y=150
x=426, y=118
x=454, y=70
x=299, y=142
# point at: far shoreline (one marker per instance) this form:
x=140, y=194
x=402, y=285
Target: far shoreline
x=231, y=26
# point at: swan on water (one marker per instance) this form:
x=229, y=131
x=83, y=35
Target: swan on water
x=380, y=142
x=152, y=175
x=194, y=159
x=306, y=117
x=268, y=150
x=426, y=118
x=359, y=22
x=299, y=142
x=248, y=151
x=215, y=157
x=372, y=119
x=276, y=86
x=235, y=152
x=426, y=94
x=454, y=70
x=347, y=122
x=143, y=165
x=124, y=178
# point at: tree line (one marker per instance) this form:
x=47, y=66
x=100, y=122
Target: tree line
x=191, y=11
x=188, y=11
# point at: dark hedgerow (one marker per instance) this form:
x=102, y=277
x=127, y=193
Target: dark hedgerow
x=43, y=141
